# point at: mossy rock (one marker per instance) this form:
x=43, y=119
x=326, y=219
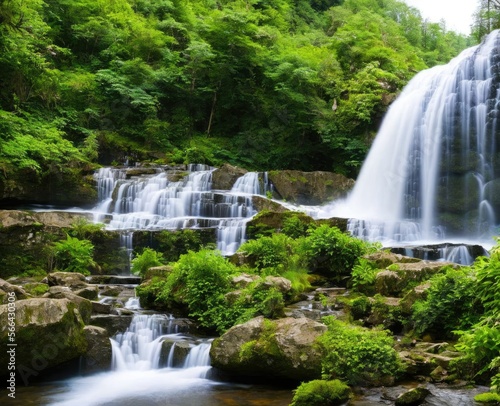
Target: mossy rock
x=413, y=397
x=281, y=349
x=49, y=332
x=321, y=393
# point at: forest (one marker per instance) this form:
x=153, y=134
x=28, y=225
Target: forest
x=263, y=84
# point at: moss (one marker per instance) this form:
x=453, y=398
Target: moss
x=321, y=393
x=491, y=398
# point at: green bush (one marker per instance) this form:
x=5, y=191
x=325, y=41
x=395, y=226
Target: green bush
x=295, y=227
x=74, y=255
x=321, y=393
x=451, y=304
x=357, y=355
x=491, y=398
x=147, y=259
x=331, y=252
x=275, y=254
x=359, y=307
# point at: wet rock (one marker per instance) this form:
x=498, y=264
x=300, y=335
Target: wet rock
x=413, y=397
x=103, y=308
x=179, y=352
x=280, y=349
x=97, y=358
x=223, y=178
x=88, y=292
x=112, y=323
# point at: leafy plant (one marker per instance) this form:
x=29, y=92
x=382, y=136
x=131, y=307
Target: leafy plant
x=363, y=274
x=147, y=259
x=74, y=255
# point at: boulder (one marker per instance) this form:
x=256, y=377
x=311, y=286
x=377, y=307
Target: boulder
x=98, y=356
x=310, y=188
x=175, y=352
x=279, y=349
x=63, y=292
x=73, y=280
x=49, y=332
x=224, y=177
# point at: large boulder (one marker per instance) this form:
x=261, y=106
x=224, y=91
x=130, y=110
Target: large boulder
x=309, y=187
x=278, y=349
x=48, y=332
x=6, y=288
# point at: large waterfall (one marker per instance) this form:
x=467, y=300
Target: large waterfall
x=433, y=171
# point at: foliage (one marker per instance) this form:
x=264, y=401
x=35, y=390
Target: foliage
x=147, y=259
x=356, y=355
x=83, y=229
x=451, y=304
x=488, y=398
x=273, y=254
x=320, y=393
x=363, y=274
x=238, y=82
x=74, y=255
x=332, y=252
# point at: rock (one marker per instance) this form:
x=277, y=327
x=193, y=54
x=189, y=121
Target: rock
x=224, y=177
x=388, y=283
x=49, y=332
x=63, y=292
x=103, y=308
x=73, y=280
x=88, y=292
x=180, y=352
x=114, y=279
x=280, y=349
x=310, y=188
x=413, y=397
x=6, y=287
x=417, y=293
x=383, y=259
x=281, y=284
x=261, y=203
x=112, y=323
x=98, y=356
x=242, y=280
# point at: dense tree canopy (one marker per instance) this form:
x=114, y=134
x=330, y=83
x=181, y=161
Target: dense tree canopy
x=265, y=84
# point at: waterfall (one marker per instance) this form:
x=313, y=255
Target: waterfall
x=153, y=202
x=433, y=171
x=140, y=346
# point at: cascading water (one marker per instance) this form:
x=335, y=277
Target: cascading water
x=154, y=203
x=434, y=169
x=137, y=376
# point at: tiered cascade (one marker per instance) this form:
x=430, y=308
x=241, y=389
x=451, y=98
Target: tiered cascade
x=154, y=202
x=433, y=171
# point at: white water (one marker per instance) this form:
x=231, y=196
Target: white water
x=155, y=203
x=137, y=376
x=432, y=171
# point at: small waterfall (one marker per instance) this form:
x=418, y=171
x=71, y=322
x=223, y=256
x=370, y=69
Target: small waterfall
x=433, y=171
x=139, y=347
x=153, y=202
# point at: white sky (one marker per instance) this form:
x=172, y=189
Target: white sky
x=456, y=13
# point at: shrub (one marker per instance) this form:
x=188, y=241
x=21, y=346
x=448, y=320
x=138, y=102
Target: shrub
x=488, y=397
x=357, y=355
x=451, y=304
x=147, y=259
x=331, y=252
x=74, y=255
x=321, y=393
x=274, y=254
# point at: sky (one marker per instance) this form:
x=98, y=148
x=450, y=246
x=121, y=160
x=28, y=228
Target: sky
x=456, y=13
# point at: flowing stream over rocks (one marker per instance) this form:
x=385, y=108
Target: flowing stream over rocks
x=176, y=200
x=433, y=172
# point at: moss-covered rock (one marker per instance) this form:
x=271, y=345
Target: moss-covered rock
x=223, y=178
x=48, y=332
x=321, y=393
x=413, y=397
x=280, y=349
